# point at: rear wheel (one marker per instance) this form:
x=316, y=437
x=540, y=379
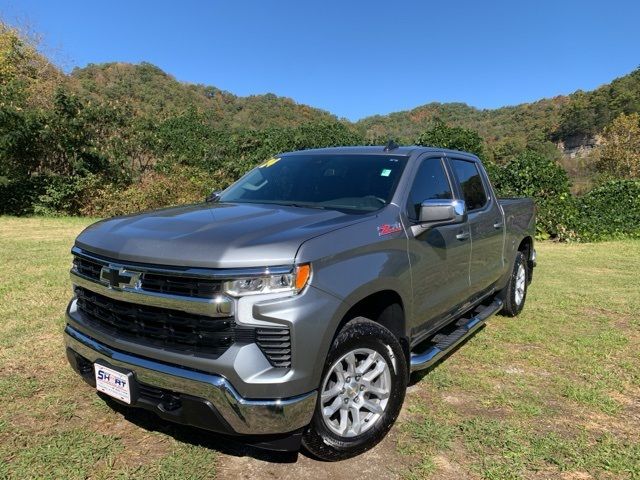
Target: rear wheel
x=362, y=390
x=515, y=292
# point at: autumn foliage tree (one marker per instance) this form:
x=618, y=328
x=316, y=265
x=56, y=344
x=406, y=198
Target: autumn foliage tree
x=620, y=153
x=454, y=138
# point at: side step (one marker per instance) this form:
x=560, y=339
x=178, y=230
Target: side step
x=441, y=344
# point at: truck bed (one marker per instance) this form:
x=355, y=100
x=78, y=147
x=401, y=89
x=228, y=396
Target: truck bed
x=521, y=208
x=519, y=217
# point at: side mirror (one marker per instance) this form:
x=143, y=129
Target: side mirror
x=213, y=196
x=443, y=212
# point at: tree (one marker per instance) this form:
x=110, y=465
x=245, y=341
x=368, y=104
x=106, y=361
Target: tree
x=454, y=138
x=533, y=175
x=620, y=154
x=505, y=150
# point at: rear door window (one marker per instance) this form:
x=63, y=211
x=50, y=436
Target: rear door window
x=471, y=185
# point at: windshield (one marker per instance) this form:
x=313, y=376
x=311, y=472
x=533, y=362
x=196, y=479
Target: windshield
x=349, y=182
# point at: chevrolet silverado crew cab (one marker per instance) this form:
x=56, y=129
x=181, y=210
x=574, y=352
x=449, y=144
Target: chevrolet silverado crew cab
x=293, y=306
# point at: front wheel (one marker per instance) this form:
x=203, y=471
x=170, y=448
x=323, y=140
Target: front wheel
x=362, y=390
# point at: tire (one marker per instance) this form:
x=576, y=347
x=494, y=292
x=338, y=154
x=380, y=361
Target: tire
x=515, y=293
x=379, y=362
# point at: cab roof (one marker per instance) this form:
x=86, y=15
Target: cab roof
x=377, y=150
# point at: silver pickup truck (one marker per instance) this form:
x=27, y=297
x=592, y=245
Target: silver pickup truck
x=293, y=306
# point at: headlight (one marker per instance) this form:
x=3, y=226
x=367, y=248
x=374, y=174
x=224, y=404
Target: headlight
x=270, y=283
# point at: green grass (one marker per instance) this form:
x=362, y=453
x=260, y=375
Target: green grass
x=52, y=425
x=553, y=393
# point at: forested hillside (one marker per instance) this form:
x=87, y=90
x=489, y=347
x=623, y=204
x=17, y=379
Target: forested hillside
x=151, y=92
x=569, y=121
x=574, y=119
x=115, y=138
x=507, y=124
x=548, y=124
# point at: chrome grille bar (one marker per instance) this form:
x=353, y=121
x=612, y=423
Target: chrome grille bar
x=218, y=306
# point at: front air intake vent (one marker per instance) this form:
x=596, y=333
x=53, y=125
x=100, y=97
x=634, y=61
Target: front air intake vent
x=275, y=343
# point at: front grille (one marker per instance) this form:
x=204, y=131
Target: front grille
x=87, y=268
x=275, y=343
x=156, y=282
x=175, y=285
x=171, y=329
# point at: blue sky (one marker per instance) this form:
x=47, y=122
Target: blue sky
x=353, y=58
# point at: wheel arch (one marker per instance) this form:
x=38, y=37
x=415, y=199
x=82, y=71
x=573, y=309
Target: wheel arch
x=526, y=247
x=385, y=307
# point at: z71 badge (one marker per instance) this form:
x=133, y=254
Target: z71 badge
x=387, y=228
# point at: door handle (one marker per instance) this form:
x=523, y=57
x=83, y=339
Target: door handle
x=462, y=236
x=497, y=226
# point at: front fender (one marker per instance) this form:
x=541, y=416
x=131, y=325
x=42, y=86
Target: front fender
x=355, y=262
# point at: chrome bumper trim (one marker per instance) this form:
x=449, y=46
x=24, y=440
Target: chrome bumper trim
x=219, y=306
x=245, y=416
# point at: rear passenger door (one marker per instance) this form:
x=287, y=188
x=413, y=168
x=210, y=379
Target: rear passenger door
x=439, y=256
x=485, y=222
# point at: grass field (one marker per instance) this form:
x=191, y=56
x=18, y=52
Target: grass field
x=554, y=393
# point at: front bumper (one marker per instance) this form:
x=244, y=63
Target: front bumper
x=230, y=412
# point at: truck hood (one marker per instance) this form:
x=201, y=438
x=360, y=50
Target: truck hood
x=212, y=235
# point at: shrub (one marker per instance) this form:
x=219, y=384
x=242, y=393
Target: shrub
x=611, y=210
x=531, y=174
x=19, y=195
x=46, y=194
x=65, y=195
x=179, y=185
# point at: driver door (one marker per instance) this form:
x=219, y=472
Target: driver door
x=439, y=256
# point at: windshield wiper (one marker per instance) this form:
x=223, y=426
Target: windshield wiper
x=304, y=205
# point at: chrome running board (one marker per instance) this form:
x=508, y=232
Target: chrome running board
x=439, y=345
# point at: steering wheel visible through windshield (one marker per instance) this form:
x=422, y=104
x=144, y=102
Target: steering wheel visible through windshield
x=356, y=182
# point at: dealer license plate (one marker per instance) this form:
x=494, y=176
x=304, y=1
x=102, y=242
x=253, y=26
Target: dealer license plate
x=113, y=383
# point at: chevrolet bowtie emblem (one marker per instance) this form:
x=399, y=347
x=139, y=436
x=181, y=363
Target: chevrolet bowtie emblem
x=119, y=277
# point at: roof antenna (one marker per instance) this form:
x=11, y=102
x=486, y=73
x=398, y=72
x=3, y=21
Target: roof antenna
x=391, y=145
